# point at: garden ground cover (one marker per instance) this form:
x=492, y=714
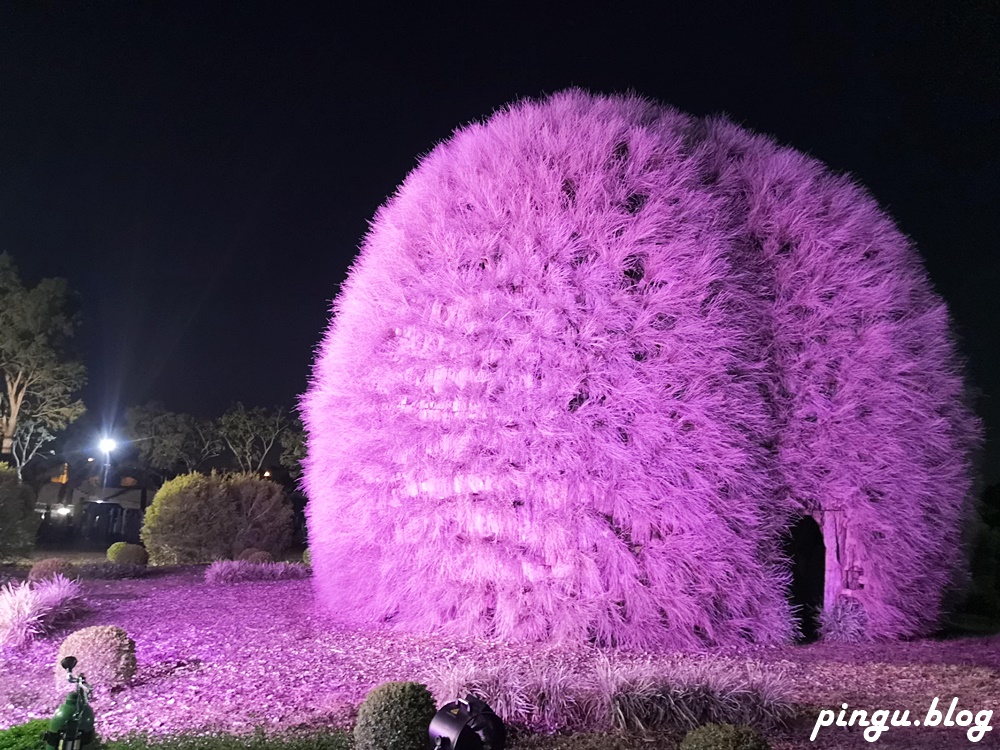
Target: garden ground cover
x=258, y=654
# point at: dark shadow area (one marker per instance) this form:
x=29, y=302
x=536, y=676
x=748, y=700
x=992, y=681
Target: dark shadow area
x=805, y=548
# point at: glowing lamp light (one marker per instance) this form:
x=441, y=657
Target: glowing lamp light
x=63, y=511
x=107, y=445
x=267, y=474
x=467, y=724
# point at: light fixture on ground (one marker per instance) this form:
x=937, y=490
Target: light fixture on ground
x=468, y=724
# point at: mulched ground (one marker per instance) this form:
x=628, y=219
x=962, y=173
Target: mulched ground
x=233, y=657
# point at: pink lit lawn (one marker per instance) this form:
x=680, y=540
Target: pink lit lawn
x=233, y=657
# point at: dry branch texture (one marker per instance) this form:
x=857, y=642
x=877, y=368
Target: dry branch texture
x=595, y=355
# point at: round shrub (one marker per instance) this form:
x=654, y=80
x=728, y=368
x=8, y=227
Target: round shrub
x=724, y=737
x=49, y=567
x=307, y=556
x=254, y=555
x=17, y=515
x=198, y=518
x=188, y=521
x=123, y=553
x=394, y=716
x=104, y=653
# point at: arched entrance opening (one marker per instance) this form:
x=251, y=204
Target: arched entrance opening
x=807, y=553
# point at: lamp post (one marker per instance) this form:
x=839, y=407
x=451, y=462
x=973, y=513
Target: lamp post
x=106, y=446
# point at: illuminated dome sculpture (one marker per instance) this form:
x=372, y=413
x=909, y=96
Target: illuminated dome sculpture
x=594, y=361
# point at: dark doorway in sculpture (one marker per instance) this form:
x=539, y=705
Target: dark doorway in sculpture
x=807, y=552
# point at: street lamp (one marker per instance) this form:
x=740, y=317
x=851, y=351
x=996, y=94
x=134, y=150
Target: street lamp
x=106, y=446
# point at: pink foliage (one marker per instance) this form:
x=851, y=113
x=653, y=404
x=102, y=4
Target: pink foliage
x=240, y=571
x=595, y=355
x=29, y=610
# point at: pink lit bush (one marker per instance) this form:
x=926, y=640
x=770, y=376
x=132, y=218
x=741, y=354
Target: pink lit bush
x=238, y=571
x=594, y=358
x=105, y=656
x=30, y=610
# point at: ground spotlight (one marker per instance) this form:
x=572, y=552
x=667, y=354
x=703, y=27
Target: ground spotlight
x=467, y=724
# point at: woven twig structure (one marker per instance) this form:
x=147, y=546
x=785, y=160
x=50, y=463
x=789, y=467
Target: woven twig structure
x=597, y=355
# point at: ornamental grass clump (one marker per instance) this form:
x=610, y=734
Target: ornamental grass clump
x=686, y=694
x=29, y=610
x=123, y=553
x=105, y=655
x=724, y=737
x=541, y=698
x=241, y=571
x=394, y=716
x=844, y=622
x=625, y=698
x=51, y=566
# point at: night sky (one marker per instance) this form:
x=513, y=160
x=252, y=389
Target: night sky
x=203, y=173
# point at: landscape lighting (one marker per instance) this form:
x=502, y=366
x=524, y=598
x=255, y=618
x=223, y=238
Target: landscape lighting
x=467, y=724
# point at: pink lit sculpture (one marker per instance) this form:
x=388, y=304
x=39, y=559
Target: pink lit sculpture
x=596, y=357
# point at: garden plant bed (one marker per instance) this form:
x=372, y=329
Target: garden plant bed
x=258, y=654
